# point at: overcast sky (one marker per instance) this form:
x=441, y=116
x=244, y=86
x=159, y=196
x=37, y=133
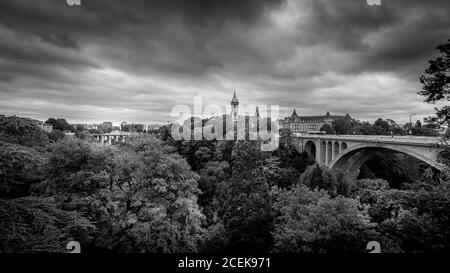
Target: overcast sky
x=135, y=60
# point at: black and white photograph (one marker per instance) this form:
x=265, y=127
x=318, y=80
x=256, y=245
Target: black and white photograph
x=234, y=129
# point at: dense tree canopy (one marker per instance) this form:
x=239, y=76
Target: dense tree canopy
x=436, y=83
x=342, y=126
x=311, y=221
x=19, y=169
x=151, y=195
x=33, y=224
x=60, y=124
x=22, y=131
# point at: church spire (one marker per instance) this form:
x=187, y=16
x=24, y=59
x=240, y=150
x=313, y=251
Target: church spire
x=234, y=101
x=234, y=108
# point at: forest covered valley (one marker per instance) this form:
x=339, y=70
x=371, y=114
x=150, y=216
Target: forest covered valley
x=154, y=194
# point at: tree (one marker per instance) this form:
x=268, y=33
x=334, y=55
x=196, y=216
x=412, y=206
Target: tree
x=413, y=220
x=316, y=177
x=327, y=129
x=289, y=162
x=22, y=131
x=79, y=128
x=56, y=135
x=19, y=169
x=75, y=169
x=423, y=131
x=436, y=83
x=60, y=124
x=245, y=202
x=213, y=174
x=141, y=195
x=288, y=154
x=311, y=221
x=341, y=126
x=30, y=225
x=155, y=200
x=418, y=124
x=381, y=126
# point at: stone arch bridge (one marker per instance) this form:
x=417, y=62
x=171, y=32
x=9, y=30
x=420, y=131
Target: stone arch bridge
x=110, y=138
x=349, y=152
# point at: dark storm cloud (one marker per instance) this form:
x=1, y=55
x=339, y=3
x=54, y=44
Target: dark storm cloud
x=345, y=23
x=160, y=35
x=392, y=36
x=140, y=58
x=61, y=40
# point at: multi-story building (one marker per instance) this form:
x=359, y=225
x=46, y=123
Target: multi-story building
x=132, y=127
x=150, y=127
x=92, y=127
x=80, y=126
x=303, y=124
x=46, y=127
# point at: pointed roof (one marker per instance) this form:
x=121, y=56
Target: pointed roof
x=294, y=114
x=327, y=115
x=257, y=111
x=234, y=100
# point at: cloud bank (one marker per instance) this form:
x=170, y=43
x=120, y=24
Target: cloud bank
x=134, y=60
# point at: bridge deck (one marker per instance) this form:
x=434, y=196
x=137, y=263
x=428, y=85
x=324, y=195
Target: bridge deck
x=408, y=140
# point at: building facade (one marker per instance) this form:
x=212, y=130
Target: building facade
x=46, y=127
x=305, y=124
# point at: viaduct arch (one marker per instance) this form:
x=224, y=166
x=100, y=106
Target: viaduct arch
x=348, y=153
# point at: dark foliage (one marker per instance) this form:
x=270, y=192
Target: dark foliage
x=22, y=131
x=19, y=169
x=33, y=224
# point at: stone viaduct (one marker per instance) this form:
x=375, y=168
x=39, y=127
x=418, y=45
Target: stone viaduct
x=110, y=138
x=349, y=152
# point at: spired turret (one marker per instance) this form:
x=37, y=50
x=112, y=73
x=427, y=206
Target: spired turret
x=234, y=101
x=234, y=107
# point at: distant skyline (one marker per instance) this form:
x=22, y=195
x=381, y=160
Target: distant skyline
x=135, y=60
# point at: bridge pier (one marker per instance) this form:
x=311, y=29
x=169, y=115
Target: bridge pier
x=109, y=139
x=349, y=152
x=329, y=153
x=335, y=149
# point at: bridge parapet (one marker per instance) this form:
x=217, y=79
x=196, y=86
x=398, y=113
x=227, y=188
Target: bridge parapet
x=109, y=138
x=412, y=140
x=334, y=151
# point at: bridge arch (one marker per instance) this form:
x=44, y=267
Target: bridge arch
x=323, y=152
x=336, y=147
x=329, y=152
x=343, y=146
x=310, y=148
x=352, y=158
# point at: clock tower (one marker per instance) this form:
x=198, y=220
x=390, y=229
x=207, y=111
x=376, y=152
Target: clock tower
x=234, y=108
